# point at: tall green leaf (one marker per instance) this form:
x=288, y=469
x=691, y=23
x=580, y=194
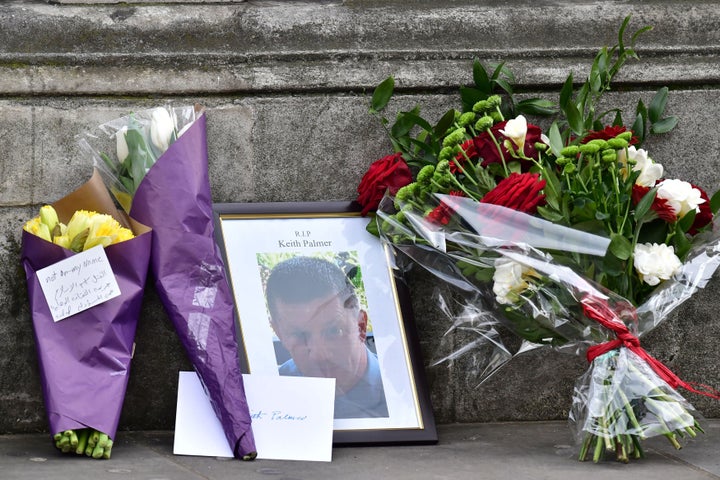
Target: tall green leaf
x=382, y=94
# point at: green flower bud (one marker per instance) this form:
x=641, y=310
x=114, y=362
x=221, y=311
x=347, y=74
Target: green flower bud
x=541, y=146
x=466, y=119
x=446, y=153
x=425, y=174
x=401, y=216
x=484, y=123
x=626, y=135
x=457, y=116
x=442, y=167
x=562, y=161
x=454, y=138
x=404, y=194
x=570, y=151
x=569, y=168
x=495, y=116
x=609, y=156
x=617, y=143
x=494, y=101
x=590, y=148
x=481, y=106
x=601, y=144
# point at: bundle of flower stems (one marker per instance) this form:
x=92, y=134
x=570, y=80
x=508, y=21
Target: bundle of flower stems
x=87, y=441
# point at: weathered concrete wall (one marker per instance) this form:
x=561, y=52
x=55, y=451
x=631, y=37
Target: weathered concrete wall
x=285, y=85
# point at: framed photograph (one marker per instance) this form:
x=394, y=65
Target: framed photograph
x=316, y=296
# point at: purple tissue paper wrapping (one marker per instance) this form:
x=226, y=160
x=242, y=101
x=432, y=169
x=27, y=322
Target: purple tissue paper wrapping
x=84, y=359
x=174, y=199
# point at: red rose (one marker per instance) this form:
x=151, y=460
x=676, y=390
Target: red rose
x=519, y=191
x=607, y=133
x=442, y=214
x=388, y=173
x=486, y=148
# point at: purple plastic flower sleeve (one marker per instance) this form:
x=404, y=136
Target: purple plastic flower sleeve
x=85, y=359
x=174, y=199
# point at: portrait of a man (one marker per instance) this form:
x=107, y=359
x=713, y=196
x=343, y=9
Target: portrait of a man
x=317, y=316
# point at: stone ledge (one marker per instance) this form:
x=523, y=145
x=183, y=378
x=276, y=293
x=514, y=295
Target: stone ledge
x=299, y=46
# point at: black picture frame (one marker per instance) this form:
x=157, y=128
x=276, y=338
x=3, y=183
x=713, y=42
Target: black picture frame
x=264, y=230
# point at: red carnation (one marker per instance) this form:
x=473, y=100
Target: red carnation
x=704, y=216
x=659, y=205
x=389, y=172
x=607, y=133
x=470, y=153
x=519, y=191
x=442, y=214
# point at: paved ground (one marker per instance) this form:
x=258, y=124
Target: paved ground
x=488, y=451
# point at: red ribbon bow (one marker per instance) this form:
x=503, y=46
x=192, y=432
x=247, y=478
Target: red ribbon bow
x=600, y=311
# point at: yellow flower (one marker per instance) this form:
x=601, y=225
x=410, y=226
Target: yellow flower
x=37, y=227
x=49, y=217
x=79, y=222
x=105, y=230
x=62, y=240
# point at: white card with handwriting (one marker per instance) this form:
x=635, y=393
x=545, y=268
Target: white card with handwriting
x=77, y=283
x=292, y=418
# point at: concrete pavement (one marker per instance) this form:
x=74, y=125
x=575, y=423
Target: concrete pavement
x=526, y=450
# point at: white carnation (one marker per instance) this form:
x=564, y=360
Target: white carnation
x=680, y=196
x=654, y=262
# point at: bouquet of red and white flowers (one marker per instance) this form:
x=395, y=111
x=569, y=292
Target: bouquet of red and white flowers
x=569, y=237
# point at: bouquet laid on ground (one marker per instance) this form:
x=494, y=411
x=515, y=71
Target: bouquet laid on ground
x=155, y=163
x=569, y=237
x=84, y=357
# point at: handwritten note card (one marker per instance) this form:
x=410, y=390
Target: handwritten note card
x=292, y=418
x=78, y=283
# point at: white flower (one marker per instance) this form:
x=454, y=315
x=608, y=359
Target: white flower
x=680, y=196
x=516, y=130
x=654, y=262
x=650, y=172
x=510, y=279
x=122, y=146
x=162, y=127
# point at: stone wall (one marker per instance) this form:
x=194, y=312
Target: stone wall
x=286, y=88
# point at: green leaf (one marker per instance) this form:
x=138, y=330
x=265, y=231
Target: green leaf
x=382, y=94
x=505, y=85
x=470, y=96
x=664, y=125
x=657, y=105
x=643, y=206
x=620, y=246
x=549, y=214
x=372, y=226
x=638, y=126
x=444, y=123
x=556, y=142
x=715, y=202
x=566, y=92
x=537, y=106
x=574, y=119
x=404, y=123
x=686, y=222
x=481, y=79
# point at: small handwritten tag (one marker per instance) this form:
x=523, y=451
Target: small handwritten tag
x=78, y=283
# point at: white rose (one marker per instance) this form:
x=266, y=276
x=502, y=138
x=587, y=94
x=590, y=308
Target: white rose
x=655, y=262
x=509, y=280
x=650, y=172
x=516, y=130
x=680, y=196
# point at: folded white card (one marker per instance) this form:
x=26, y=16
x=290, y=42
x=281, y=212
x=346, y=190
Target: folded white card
x=292, y=418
